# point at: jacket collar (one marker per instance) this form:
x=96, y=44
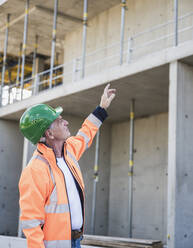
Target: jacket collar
x=48, y=152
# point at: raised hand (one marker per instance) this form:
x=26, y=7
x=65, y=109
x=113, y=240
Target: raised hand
x=107, y=97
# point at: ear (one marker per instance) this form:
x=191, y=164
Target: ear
x=49, y=134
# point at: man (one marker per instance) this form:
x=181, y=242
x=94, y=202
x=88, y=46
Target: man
x=51, y=186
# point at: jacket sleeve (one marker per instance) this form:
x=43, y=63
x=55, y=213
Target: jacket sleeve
x=34, y=189
x=83, y=139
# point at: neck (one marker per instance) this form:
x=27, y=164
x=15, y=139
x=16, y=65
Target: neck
x=57, y=147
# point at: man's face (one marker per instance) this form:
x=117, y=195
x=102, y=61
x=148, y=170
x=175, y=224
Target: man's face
x=59, y=129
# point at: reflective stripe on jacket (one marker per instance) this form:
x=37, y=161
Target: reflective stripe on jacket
x=45, y=214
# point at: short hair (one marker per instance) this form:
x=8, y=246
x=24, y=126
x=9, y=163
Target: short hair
x=43, y=138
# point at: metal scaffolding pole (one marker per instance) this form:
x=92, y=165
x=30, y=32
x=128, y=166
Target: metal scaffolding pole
x=131, y=163
x=84, y=34
x=176, y=22
x=34, y=65
x=34, y=56
x=19, y=65
x=57, y=71
x=4, y=59
x=24, y=45
x=123, y=8
x=95, y=183
x=9, y=90
x=53, y=42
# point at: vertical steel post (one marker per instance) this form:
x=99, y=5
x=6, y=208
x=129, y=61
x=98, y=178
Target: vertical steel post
x=84, y=34
x=176, y=22
x=24, y=45
x=18, y=71
x=53, y=42
x=34, y=65
x=123, y=8
x=4, y=59
x=9, y=90
x=131, y=164
x=56, y=71
x=95, y=183
x=19, y=65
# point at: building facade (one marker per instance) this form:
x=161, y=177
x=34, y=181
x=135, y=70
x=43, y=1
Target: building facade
x=145, y=49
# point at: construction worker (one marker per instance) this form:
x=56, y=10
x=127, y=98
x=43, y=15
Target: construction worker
x=51, y=186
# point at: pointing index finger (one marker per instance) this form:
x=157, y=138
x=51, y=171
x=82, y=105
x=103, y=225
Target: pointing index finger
x=106, y=89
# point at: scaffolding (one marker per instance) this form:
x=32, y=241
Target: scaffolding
x=29, y=81
x=4, y=58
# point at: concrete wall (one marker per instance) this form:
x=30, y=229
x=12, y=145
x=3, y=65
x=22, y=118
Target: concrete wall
x=180, y=143
x=150, y=179
x=104, y=30
x=11, y=145
x=87, y=165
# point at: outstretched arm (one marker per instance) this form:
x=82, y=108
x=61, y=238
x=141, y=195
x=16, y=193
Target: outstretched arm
x=79, y=143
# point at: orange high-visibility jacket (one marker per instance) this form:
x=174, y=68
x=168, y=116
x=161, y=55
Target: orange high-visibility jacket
x=45, y=215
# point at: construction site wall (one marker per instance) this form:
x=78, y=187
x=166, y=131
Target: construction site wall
x=11, y=150
x=149, y=183
x=150, y=177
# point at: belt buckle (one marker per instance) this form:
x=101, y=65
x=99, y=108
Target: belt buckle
x=76, y=234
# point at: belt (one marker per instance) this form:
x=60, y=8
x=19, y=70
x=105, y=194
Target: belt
x=76, y=234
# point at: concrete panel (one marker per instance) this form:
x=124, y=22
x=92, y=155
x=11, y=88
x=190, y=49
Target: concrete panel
x=118, y=197
x=180, y=172
x=104, y=32
x=87, y=167
x=11, y=147
x=150, y=179
x=12, y=242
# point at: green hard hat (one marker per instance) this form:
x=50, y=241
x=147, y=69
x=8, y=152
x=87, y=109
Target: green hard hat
x=36, y=119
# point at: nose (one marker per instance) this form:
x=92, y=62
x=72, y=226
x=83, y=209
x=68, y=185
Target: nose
x=66, y=123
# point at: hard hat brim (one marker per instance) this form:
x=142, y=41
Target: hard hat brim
x=59, y=110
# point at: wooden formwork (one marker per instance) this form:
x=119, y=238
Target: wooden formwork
x=116, y=242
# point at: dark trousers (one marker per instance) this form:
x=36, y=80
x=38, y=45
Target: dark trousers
x=76, y=243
